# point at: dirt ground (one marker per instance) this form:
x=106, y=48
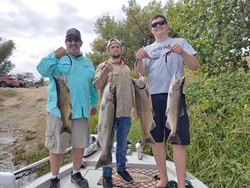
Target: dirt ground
x=22, y=116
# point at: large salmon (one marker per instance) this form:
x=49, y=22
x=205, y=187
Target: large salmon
x=64, y=103
x=106, y=125
x=144, y=109
x=174, y=108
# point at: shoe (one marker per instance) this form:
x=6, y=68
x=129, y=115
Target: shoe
x=54, y=183
x=107, y=182
x=125, y=176
x=79, y=181
x=188, y=184
x=171, y=184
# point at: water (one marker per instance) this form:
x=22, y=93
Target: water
x=6, y=164
x=5, y=154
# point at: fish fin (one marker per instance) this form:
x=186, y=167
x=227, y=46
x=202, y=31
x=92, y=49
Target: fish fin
x=167, y=125
x=103, y=162
x=153, y=125
x=174, y=139
x=153, y=112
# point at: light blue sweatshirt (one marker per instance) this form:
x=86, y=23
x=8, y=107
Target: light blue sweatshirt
x=80, y=74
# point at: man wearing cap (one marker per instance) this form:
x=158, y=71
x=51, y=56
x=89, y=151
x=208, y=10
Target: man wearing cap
x=79, y=72
x=115, y=71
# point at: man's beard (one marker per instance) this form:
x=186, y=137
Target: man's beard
x=116, y=56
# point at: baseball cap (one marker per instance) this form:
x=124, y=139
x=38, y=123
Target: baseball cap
x=73, y=32
x=113, y=41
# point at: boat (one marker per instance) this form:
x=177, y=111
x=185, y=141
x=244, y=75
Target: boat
x=142, y=168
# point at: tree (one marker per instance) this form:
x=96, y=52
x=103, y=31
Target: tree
x=6, y=49
x=133, y=31
x=217, y=29
x=26, y=75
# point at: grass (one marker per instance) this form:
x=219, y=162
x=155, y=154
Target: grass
x=219, y=114
x=8, y=92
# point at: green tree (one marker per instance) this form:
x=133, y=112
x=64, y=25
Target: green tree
x=106, y=27
x=133, y=31
x=6, y=49
x=217, y=29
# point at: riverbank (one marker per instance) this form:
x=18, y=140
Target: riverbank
x=22, y=122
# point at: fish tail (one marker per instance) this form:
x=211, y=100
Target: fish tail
x=98, y=144
x=103, y=162
x=174, y=139
x=149, y=139
x=66, y=129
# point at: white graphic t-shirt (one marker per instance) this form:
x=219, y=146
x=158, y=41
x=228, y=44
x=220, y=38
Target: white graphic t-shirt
x=161, y=68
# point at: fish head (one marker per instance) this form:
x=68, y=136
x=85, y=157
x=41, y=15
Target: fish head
x=177, y=83
x=61, y=81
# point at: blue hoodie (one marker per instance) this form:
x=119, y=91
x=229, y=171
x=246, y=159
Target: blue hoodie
x=80, y=74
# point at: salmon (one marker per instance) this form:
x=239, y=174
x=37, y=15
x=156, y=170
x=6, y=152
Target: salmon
x=174, y=108
x=144, y=109
x=106, y=126
x=64, y=103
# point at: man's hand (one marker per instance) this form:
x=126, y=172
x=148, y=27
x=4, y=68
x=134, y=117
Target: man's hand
x=108, y=67
x=176, y=48
x=60, y=52
x=93, y=111
x=141, y=54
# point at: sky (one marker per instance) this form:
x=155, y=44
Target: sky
x=38, y=27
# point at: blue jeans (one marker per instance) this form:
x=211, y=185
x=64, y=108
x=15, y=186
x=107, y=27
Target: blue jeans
x=123, y=125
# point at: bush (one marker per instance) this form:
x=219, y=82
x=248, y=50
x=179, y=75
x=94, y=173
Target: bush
x=219, y=110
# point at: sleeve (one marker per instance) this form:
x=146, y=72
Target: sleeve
x=47, y=65
x=93, y=95
x=188, y=48
x=99, y=78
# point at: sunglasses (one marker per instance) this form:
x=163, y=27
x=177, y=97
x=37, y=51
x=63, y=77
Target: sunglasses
x=73, y=39
x=160, y=23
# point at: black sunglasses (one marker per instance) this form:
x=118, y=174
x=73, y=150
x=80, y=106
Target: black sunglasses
x=73, y=39
x=160, y=23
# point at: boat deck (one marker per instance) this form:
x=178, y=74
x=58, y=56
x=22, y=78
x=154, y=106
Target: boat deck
x=147, y=172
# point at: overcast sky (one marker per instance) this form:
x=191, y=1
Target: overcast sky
x=38, y=27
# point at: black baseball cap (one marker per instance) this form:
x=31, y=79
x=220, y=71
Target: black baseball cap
x=73, y=32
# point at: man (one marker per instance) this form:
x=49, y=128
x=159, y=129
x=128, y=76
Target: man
x=161, y=60
x=115, y=71
x=79, y=72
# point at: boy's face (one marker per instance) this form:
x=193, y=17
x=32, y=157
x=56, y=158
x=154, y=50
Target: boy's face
x=159, y=27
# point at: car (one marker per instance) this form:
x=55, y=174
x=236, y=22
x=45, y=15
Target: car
x=23, y=82
x=8, y=81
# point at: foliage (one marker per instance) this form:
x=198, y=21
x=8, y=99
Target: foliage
x=6, y=49
x=40, y=82
x=219, y=110
x=133, y=31
x=217, y=29
x=26, y=76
